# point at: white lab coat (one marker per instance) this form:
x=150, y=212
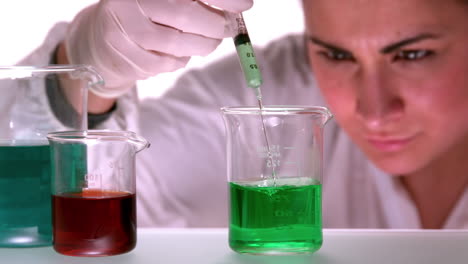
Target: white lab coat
x=181, y=178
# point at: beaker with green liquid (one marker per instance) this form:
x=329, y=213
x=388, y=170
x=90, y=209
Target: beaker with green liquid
x=32, y=104
x=275, y=178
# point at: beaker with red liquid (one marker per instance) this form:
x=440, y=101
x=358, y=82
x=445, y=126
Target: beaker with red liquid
x=93, y=191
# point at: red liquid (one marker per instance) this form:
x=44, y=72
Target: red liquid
x=94, y=223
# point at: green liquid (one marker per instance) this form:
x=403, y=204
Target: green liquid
x=248, y=61
x=25, y=205
x=281, y=219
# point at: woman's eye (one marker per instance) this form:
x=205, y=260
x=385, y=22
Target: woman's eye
x=412, y=55
x=336, y=55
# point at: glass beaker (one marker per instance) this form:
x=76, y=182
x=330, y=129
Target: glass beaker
x=93, y=191
x=275, y=176
x=31, y=105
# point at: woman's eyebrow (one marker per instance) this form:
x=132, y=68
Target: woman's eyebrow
x=385, y=50
x=395, y=46
x=324, y=44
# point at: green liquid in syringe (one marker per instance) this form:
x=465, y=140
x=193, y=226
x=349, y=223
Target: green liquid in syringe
x=248, y=62
x=254, y=79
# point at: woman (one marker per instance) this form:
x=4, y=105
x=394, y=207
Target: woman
x=394, y=76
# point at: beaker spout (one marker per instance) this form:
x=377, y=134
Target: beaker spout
x=139, y=142
x=327, y=116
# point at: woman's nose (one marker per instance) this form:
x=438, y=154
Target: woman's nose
x=378, y=101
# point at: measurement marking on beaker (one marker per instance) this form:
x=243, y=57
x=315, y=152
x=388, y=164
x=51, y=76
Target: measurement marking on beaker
x=114, y=165
x=273, y=163
x=272, y=152
x=290, y=162
x=92, y=176
x=289, y=148
x=92, y=180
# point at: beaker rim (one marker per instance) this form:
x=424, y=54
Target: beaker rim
x=27, y=71
x=77, y=136
x=44, y=68
x=277, y=110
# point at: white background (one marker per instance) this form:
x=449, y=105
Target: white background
x=24, y=25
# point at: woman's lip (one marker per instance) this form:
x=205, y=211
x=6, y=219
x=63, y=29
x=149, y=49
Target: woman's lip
x=390, y=144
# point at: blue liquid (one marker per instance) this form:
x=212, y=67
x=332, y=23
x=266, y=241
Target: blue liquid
x=25, y=203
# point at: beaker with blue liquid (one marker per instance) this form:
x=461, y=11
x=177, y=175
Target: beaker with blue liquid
x=33, y=104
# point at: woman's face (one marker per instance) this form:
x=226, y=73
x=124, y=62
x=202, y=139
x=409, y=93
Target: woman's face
x=395, y=75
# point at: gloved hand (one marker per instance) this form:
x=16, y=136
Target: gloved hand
x=129, y=40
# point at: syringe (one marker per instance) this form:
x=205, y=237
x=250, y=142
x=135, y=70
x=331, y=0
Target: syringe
x=246, y=56
x=251, y=71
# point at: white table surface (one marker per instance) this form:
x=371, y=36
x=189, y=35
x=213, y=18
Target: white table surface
x=210, y=246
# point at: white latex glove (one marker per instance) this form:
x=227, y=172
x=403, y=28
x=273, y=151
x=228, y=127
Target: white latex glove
x=129, y=40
